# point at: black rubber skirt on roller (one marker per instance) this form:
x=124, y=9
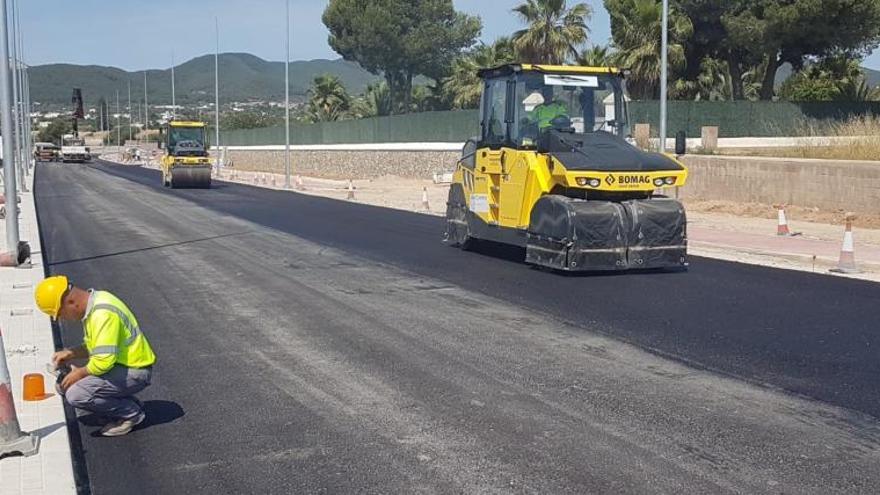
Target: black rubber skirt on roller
x=577, y=235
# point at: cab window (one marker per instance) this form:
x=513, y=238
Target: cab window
x=494, y=108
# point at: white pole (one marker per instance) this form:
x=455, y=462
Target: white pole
x=129, y=110
x=664, y=74
x=9, y=158
x=173, y=97
x=16, y=100
x=12, y=440
x=25, y=107
x=29, y=125
x=118, y=130
x=146, y=113
x=217, y=92
x=287, y=100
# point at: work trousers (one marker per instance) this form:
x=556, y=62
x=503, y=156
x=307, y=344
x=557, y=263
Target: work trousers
x=110, y=394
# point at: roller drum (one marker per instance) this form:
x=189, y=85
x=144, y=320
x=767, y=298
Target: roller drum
x=191, y=177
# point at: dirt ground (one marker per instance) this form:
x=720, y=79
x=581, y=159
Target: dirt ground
x=756, y=210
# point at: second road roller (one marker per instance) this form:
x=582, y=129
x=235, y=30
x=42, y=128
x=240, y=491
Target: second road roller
x=185, y=162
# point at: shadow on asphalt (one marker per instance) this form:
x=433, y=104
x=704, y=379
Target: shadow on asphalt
x=158, y=412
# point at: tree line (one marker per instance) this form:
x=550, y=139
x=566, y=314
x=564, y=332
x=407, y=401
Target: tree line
x=427, y=52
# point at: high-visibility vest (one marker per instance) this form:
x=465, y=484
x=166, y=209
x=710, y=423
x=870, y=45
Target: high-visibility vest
x=112, y=336
x=545, y=113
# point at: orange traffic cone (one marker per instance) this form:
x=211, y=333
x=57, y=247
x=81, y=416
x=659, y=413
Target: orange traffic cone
x=34, y=387
x=847, y=262
x=350, y=190
x=425, y=204
x=782, y=224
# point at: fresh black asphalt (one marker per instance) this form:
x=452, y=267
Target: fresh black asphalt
x=809, y=335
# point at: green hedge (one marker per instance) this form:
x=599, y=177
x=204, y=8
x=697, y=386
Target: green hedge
x=435, y=127
x=734, y=119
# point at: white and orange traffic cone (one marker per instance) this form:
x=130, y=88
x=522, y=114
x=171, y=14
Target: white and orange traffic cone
x=782, y=225
x=847, y=262
x=425, y=205
x=350, y=190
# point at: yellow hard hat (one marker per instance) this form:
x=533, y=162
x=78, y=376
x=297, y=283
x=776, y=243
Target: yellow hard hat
x=49, y=294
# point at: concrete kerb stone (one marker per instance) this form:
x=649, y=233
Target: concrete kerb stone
x=27, y=334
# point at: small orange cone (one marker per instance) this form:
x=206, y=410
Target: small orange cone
x=350, y=190
x=847, y=262
x=425, y=204
x=782, y=225
x=34, y=387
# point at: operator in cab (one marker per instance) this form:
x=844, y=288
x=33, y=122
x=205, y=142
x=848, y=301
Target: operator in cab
x=549, y=109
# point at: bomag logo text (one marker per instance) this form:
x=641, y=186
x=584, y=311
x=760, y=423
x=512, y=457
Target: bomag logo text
x=626, y=180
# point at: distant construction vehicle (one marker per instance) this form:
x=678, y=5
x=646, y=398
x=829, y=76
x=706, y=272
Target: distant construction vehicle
x=46, y=152
x=74, y=149
x=553, y=172
x=185, y=162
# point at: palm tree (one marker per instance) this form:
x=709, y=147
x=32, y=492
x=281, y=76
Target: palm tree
x=553, y=30
x=375, y=102
x=856, y=89
x=328, y=100
x=596, y=56
x=636, y=30
x=464, y=86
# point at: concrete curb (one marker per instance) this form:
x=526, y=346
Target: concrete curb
x=27, y=335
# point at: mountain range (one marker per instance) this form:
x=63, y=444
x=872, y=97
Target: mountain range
x=243, y=77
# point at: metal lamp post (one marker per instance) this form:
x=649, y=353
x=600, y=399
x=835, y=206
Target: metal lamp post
x=12, y=440
x=287, y=99
x=664, y=74
x=217, y=91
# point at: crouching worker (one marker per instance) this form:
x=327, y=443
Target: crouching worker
x=119, y=357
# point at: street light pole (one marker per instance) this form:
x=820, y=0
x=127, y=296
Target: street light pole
x=173, y=96
x=16, y=100
x=146, y=113
x=287, y=99
x=664, y=74
x=9, y=152
x=118, y=130
x=129, y=111
x=25, y=99
x=12, y=440
x=217, y=91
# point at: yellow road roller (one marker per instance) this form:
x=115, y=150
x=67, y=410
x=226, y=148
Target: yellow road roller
x=556, y=171
x=185, y=162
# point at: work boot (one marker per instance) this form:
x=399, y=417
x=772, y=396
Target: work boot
x=122, y=427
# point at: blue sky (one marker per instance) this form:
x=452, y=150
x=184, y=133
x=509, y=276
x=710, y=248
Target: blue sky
x=135, y=34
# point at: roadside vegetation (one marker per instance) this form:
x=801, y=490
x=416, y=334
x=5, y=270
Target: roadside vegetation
x=862, y=135
x=428, y=53
x=855, y=139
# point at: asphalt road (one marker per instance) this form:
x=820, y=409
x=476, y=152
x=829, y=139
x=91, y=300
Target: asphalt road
x=309, y=345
